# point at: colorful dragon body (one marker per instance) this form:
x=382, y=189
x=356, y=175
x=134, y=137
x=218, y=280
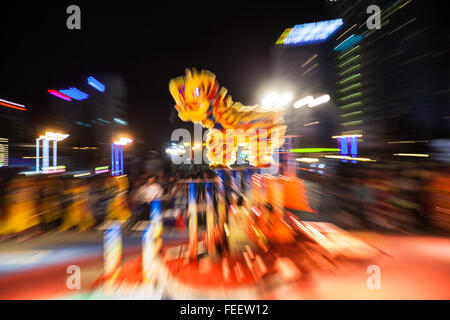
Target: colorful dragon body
x=198, y=99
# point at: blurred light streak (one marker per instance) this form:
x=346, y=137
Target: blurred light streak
x=353, y=68
x=96, y=84
x=312, y=150
x=257, y=213
x=54, y=171
x=347, y=136
x=303, y=102
x=348, y=52
x=53, y=167
x=353, y=86
x=348, y=43
x=273, y=99
x=112, y=158
x=120, y=121
x=311, y=123
x=12, y=105
x=104, y=121
x=352, y=123
x=123, y=141
x=351, y=158
x=352, y=59
x=261, y=264
x=417, y=141
x=309, y=60
x=351, y=105
x=121, y=159
x=355, y=113
x=308, y=160
x=250, y=252
x=346, y=31
x=226, y=270
x=227, y=231
x=51, y=136
x=320, y=100
x=59, y=95
x=74, y=93
x=413, y=19
x=349, y=78
x=309, y=69
x=81, y=174
x=419, y=155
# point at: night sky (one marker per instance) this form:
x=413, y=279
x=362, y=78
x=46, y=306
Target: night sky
x=147, y=45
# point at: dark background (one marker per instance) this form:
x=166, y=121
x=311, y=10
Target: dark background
x=148, y=43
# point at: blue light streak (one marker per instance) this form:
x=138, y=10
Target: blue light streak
x=112, y=159
x=96, y=84
x=120, y=121
x=348, y=43
x=121, y=159
x=74, y=93
x=116, y=159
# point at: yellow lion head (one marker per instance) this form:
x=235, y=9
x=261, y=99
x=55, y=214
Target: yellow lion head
x=193, y=94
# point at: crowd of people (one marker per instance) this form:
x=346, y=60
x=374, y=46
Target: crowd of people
x=403, y=197
x=58, y=203
x=385, y=198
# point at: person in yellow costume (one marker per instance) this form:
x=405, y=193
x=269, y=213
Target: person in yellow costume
x=50, y=207
x=21, y=207
x=118, y=206
x=79, y=212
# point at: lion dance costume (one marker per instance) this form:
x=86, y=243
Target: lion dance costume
x=198, y=99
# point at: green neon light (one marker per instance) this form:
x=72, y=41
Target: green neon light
x=352, y=123
x=354, y=58
x=355, y=67
x=351, y=96
x=353, y=86
x=351, y=114
x=101, y=168
x=348, y=52
x=354, y=76
x=312, y=150
x=351, y=105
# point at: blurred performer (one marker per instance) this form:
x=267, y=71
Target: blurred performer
x=150, y=191
x=21, y=207
x=118, y=207
x=79, y=212
x=240, y=227
x=50, y=208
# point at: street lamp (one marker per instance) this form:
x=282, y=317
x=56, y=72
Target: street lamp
x=49, y=136
x=117, y=155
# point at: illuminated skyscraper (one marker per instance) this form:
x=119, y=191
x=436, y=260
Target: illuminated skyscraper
x=302, y=62
x=390, y=84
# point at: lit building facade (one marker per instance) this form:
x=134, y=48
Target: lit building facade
x=302, y=61
x=390, y=85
